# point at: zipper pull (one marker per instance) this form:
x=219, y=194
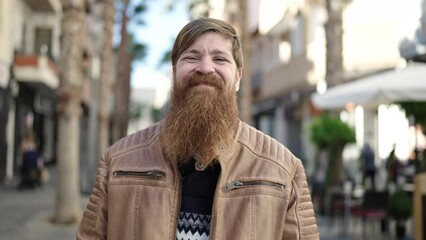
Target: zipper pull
x=233, y=185
x=156, y=174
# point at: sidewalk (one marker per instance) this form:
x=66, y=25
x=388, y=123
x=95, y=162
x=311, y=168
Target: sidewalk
x=334, y=230
x=25, y=216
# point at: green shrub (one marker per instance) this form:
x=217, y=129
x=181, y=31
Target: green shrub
x=326, y=131
x=399, y=205
x=331, y=135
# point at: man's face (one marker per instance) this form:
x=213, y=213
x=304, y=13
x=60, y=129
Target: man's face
x=210, y=54
x=203, y=114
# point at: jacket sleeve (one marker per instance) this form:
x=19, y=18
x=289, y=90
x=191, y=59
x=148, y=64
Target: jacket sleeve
x=95, y=217
x=300, y=222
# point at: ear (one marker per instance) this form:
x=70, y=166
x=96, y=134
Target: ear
x=238, y=77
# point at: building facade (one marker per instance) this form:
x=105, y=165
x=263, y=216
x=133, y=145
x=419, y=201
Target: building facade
x=29, y=52
x=289, y=59
x=30, y=33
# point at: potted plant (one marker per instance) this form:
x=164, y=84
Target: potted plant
x=331, y=135
x=400, y=209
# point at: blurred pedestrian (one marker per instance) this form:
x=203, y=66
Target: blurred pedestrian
x=420, y=148
x=32, y=162
x=393, y=165
x=369, y=165
x=201, y=172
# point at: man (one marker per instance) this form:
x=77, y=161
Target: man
x=369, y=165
x=200, y=173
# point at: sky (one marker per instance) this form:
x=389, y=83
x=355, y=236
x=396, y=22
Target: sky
x=158, y=33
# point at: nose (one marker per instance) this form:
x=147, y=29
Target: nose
x=205, y=67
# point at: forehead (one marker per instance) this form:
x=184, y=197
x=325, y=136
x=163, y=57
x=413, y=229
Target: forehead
x=211, y=42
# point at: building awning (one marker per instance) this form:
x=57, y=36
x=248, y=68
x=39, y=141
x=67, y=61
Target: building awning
x=407, y=84
x=36, y=69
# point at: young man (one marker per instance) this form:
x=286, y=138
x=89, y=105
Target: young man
x=201, y=173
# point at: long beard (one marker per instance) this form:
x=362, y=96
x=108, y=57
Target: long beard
x=200, y=119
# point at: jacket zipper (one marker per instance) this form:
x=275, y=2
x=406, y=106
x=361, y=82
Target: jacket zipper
x=179, y=199
x=213, y=215
x=241, y=184
x=152, y=174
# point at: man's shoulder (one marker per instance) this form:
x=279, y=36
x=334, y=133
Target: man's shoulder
x=137, y=139
x=265, y=146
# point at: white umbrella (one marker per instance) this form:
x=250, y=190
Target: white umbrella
x=407, y=84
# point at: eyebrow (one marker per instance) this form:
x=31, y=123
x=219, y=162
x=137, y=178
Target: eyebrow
x=214, y=52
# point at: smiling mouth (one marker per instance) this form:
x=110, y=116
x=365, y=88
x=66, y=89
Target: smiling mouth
x=205, y=82
x=205, y=85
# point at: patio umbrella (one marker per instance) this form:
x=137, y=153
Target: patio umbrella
x=407, y=84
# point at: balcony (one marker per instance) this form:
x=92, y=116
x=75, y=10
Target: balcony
x=36, y=69
x=285, y=77
x=49, y=6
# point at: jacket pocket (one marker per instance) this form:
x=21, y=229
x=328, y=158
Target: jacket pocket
x=258, y=205
x=253, y=183
x=133, y=204
x=151, y=174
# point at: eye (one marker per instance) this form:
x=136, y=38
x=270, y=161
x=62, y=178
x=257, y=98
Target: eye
x=221, y=59
x=190, y=58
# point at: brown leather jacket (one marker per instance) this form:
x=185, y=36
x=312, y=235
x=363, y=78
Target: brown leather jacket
x=262, y=192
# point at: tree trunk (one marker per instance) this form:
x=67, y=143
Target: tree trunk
x=334, y=76
x=105, y=78
x=400, y=229
x=335, y=172
x=68, y=194
x=334, y=35
x=246, y=90
x=122, y=85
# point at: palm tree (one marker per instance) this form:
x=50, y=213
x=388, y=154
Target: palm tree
x=334, y=56
x=67, y=209
x=128, y=50
x=246, y=89
x=122, y=84
x=199, y=8
x=106, y=75
x=334, y=43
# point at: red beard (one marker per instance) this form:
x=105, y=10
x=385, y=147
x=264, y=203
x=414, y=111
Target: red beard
x=200, y=120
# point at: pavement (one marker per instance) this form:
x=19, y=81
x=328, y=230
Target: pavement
x=25, y=215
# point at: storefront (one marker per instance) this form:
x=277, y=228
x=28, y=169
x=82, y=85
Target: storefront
x=35, y=105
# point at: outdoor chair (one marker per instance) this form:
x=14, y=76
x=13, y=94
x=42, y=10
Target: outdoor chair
x=335, y=206
x=372, y=208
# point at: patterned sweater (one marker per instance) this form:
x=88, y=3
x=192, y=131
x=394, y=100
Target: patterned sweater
x=198, y=188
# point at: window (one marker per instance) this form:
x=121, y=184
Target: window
x=43, y=36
